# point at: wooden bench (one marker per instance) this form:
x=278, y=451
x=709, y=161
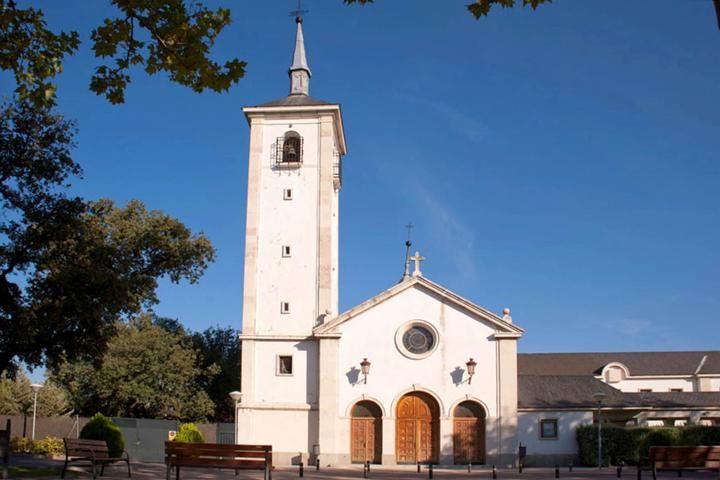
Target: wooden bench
x=217, y=455
x=684, y=458
x=5, y=449
x=93, y=453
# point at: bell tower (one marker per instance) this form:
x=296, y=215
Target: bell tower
x=294, y=180
x=291, y=253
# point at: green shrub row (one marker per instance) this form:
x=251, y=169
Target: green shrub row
x=630, y=444
x=44, y=446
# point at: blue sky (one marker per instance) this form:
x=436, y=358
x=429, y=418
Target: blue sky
x=562, y=162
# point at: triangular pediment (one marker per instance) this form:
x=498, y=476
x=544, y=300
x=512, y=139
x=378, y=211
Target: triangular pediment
x=502, y=327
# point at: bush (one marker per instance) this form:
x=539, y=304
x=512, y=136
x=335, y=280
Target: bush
x=189, y=433
x=619, y=444
x=657, y=437
x=696, y=435
x=20, y=445
x=101, y=427
x=48, y=446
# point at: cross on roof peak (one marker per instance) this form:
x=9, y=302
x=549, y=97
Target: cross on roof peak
x=417, y=258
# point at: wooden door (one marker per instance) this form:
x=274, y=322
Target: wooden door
x=469, y=433
x=366, y=433
x=417, y=429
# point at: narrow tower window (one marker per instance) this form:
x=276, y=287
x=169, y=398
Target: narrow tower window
x=285, y=365
x=286, y=250
x=288, y=194
x=284, y=307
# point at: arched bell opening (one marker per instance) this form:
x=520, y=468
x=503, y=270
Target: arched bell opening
x=366, y=432
x=469, y=433
x=292, y=148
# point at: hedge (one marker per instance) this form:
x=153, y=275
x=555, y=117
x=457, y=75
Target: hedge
x=629, y=444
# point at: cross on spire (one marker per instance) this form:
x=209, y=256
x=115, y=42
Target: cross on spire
x=298, y=13
x=417, y=259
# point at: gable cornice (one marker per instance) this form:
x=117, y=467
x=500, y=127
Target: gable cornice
x=504, y=329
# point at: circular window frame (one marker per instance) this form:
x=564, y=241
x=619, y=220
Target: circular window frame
x=407, y=326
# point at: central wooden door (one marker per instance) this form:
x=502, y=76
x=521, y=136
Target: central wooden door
x=417, y=429
x=469, y=433
x=366, y=433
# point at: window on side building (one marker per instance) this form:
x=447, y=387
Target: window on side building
x=548, y=428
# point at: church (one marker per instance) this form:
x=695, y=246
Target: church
x=416, y=374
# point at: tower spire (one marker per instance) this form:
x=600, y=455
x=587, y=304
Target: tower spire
x=299, y=70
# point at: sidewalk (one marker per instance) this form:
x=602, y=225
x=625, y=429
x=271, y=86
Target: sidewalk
x=147, y=471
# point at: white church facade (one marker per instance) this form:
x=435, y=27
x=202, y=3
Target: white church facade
x=414, y=374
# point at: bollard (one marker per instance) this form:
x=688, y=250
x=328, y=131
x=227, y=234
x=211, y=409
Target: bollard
x=302, y=469
x=520, y=467
x=494, y=475
x=619, y=471
x=679, y=473
x=418, y=467
x=570, y=467
x=317, y=463
x=557, y=471
x=430, y=470
x=469, y=467
x=639, y=472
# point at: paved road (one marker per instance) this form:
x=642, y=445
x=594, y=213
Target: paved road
x=147, y=471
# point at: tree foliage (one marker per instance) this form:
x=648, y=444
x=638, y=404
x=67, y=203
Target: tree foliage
x=221, y=347
x=146, y=372
x=481, y=8
x=16, y=397
x=171, y=36
x=69, y=269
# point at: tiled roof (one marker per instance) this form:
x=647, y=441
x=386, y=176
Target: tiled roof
x=639, y=363
x=295, y=101
x=576, y=391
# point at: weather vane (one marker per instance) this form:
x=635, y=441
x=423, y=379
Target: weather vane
x=299, y=12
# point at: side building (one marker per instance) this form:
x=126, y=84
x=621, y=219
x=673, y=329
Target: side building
x=557, y=392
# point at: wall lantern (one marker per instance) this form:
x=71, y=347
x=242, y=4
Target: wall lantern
x=470, y=364
x=365, y=369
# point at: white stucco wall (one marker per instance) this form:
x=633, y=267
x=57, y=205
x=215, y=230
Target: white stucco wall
x=715, y=384
x=565, y=444
x=656, y=384
x=372, y=335
x=288, y=222
x=300, y=387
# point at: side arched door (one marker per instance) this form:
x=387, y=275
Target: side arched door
x=366, y=433
x=469, y=433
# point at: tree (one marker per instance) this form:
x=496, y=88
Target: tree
x=106, y=268
x=146, y=372
x=171, y=36
x=220, y=346
x=481, y=8
x=17, y=398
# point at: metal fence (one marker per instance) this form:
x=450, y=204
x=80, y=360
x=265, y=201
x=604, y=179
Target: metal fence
x=144, y=438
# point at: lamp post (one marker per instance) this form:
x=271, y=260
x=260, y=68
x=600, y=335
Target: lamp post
x=599, y=398
x=470, y=364
x=365, y=369
x=237, y=397
x=35, y=388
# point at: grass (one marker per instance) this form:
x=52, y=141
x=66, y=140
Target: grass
x=19, y=472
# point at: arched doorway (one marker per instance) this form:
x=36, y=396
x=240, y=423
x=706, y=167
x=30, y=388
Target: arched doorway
x=366, y=432
x=469, y=433
x=417, y=430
